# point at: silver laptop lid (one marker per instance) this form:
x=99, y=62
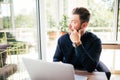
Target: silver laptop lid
x=40, y=70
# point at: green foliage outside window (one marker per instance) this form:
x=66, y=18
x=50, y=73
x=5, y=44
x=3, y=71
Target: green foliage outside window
x=63, y=23
x=51, y=22
x=6, y=22
x=24, y=21
x=1, y=0
x=20, y=21
x=101, y=13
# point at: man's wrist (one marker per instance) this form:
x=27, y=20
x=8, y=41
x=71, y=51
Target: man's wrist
x=76, y=44
x=79, y=43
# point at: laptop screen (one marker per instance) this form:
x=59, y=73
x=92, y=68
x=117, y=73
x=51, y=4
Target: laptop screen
x=41, y=70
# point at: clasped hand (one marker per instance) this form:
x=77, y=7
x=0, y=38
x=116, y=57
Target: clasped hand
x=75, y=36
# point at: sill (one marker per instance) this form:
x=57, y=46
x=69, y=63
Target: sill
x=111, y=45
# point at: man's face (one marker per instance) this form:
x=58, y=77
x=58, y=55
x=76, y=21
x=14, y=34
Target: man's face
x=75, y=22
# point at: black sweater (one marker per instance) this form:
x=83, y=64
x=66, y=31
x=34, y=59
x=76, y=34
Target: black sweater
x=84, y=57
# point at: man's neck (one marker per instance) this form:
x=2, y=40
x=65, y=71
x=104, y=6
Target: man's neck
x=83, y=32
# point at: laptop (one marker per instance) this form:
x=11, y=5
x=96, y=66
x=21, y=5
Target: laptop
x=41, y=70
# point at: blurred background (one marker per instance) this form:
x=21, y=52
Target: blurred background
x=32, y=28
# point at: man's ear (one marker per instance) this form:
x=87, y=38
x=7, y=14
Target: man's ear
x=84, y=25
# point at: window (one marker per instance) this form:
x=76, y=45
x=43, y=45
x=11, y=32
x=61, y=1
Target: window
x=18, y=27
x=103, y=19
x=104, y=22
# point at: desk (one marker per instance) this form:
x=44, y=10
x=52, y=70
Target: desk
x=93, y=75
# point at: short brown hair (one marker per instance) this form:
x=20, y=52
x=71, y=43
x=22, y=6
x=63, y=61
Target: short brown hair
x=83, y=13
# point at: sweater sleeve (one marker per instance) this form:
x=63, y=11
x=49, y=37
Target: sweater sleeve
x=89, y=58
x=58, y=56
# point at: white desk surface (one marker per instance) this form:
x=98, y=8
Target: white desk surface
x=93, y=75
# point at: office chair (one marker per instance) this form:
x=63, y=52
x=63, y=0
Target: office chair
x=103, y=68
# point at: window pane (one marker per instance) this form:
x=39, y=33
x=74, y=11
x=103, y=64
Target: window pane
x=52, y=19
x=25, y=24
x=18, y=29
x=102, y=19
x=111, y=61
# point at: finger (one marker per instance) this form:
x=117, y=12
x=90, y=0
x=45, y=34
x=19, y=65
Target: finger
x=79, y=31
x=70, y=31
x=75, y=32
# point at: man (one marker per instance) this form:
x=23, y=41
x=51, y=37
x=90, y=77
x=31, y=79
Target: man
x=79, y=47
